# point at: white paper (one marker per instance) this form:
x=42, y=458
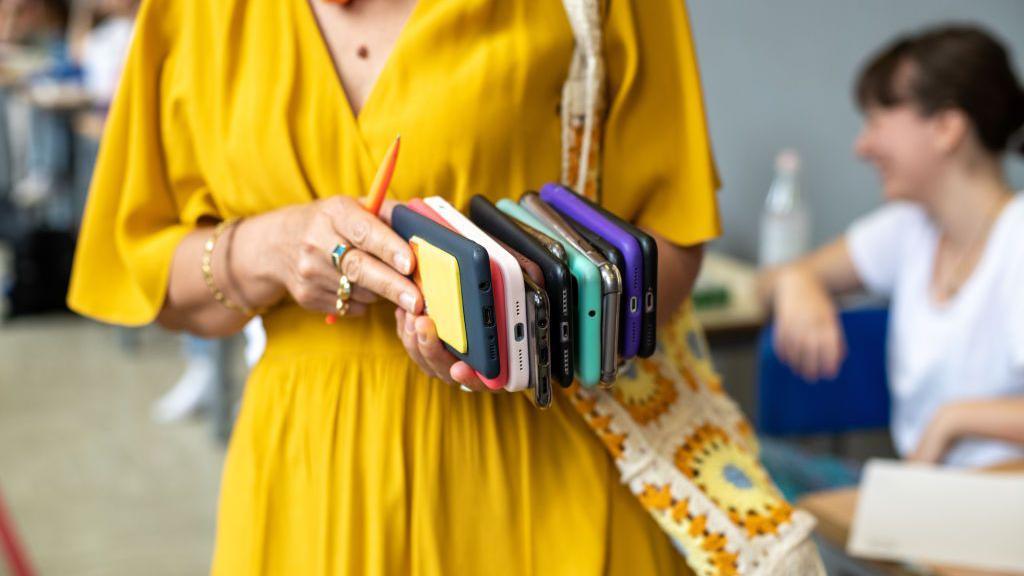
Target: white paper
x=940, y=516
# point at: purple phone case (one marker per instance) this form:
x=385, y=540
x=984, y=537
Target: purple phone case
x=565, y=200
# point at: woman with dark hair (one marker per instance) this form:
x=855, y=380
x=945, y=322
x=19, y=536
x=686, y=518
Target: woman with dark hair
x=942, y=108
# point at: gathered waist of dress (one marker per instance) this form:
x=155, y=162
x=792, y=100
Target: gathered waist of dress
x=292, y=330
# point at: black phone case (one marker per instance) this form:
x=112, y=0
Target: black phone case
x=538, y=311
x=475, y=279
x=557, y=282
x=649, y=248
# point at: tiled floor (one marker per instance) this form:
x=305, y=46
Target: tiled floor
x=95, y=486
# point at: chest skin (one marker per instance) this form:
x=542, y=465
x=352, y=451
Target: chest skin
x=360, y=37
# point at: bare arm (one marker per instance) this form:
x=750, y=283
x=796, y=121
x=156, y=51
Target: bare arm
x=807, y=333
x=240, y=270
x=829, y=266
x=678, y=267
x=996, y=418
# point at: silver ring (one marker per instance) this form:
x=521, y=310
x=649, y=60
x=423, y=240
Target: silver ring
x=465, y=388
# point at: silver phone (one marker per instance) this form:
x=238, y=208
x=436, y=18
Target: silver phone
x=553, y=246
x=611, y=281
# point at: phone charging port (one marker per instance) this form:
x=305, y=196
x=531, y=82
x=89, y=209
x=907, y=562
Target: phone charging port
x=633, y=304
x=488, y=316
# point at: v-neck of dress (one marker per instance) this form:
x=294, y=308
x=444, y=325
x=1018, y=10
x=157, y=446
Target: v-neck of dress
x=323, y=48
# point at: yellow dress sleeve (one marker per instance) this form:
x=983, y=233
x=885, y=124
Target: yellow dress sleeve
x=147, y=192
x=658, y=168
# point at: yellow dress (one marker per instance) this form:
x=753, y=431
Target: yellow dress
x=345, y=459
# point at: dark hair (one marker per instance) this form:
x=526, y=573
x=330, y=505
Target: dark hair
x=961, y=67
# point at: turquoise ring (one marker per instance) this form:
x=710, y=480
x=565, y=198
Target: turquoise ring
x=337, y=254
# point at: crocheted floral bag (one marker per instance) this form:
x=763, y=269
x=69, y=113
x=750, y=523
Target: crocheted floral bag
x=681, y=445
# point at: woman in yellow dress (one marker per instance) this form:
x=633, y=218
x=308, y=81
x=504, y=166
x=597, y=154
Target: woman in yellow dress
x=355, y=451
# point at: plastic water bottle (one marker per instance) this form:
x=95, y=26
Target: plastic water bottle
x=785, y=222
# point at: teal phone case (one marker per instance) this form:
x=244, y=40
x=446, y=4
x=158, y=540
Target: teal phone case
x=588, y=300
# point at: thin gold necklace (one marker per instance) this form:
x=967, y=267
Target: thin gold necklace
x=948, y=284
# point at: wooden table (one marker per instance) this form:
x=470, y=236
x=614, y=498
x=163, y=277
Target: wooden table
x=835, y=509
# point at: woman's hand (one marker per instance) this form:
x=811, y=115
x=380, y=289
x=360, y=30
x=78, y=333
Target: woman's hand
x=998, y=418
x=937, y=437
x=266, y=257
x=376, y=263
x=807, y=333
x=419, y=336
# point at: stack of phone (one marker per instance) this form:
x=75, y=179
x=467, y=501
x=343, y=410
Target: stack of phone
x=551, y=289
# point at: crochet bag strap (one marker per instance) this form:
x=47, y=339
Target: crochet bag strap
x=680, y=444
x=583, y=100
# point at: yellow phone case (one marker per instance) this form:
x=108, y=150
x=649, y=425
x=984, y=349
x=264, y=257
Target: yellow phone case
x=438, y=277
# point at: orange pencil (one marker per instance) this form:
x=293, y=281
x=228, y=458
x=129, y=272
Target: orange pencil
x=382, y=180
x=379, y=189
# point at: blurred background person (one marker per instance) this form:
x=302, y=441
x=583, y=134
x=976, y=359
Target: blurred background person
x=942, y=108
x=34, y=22
x=100, y=32
x=40, y=26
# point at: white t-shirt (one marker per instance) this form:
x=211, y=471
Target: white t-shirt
x=971, y=346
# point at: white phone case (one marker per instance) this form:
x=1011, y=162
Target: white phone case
x=515, y=292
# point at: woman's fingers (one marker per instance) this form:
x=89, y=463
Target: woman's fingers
x=833, y=352
x=416, y=344
x=785, y=348
x=432, y=351
x=364, y=296
x=405, y=325
x=386, y=208
x=369, y=273
x=812, y=346
x=317, y=272
x=810, y=358
x=466, y=376
x=370, y=234
x=419, y=336
x=319, y=299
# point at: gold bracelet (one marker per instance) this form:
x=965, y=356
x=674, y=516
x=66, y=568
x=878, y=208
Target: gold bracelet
x=207, y=268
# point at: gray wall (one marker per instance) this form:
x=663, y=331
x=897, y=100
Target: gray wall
x=778, y=73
